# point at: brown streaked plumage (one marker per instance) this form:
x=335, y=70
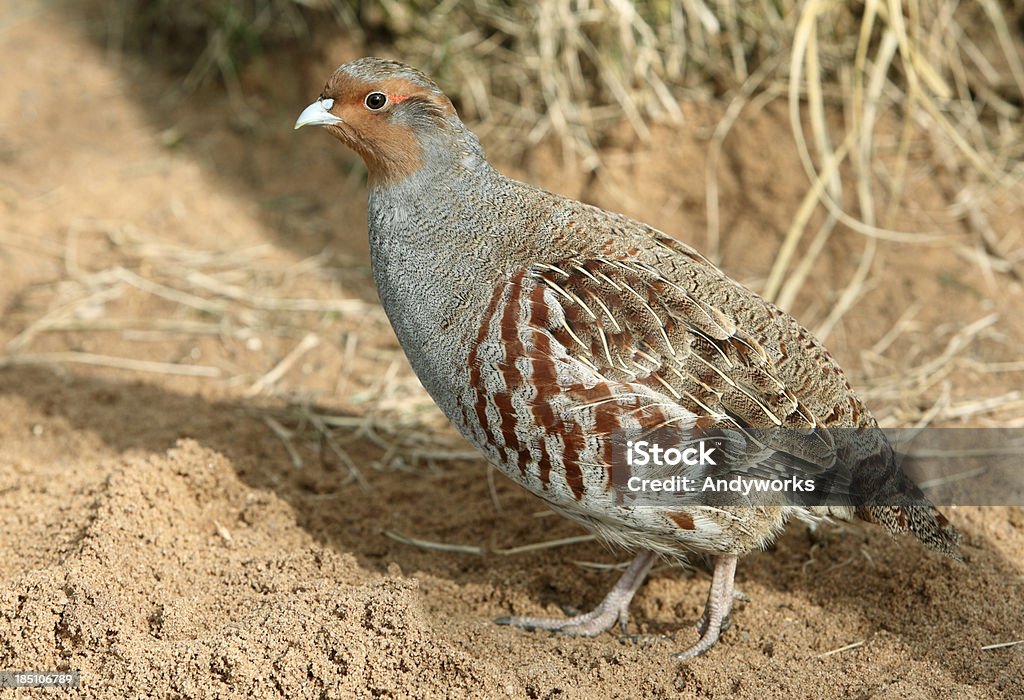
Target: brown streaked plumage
x=550, y=331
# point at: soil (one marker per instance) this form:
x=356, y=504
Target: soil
x=185, y=535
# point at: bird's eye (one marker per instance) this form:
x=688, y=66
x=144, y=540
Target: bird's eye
x=376, y=101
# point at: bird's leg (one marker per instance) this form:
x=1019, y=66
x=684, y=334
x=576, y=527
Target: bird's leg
x=614, y=608
x=702, y=623
x=719, y=604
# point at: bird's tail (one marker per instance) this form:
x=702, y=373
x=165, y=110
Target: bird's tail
x=909, y=510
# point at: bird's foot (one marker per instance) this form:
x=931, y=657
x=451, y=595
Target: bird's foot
x=613, y=609
x=716, y=613
x=589, y=624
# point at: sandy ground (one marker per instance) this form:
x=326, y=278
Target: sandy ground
x=203, y=533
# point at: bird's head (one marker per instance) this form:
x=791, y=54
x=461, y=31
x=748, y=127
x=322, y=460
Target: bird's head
x=385, y=111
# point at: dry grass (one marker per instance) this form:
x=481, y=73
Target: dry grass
x=247, y=304
x=225, y=293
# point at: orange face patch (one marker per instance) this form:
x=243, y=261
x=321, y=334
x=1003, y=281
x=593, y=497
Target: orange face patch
x=390, y=150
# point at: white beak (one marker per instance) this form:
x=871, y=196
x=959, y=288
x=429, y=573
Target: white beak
x=317, y=115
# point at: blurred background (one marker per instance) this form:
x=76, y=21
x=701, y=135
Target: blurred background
x=178, y=264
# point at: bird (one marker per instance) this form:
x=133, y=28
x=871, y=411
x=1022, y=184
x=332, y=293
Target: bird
x=557, y=336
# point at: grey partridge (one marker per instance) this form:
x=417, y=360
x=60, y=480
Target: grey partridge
x=552, y=333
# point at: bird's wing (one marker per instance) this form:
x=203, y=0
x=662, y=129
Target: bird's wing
x=579, y=356
x=634, y=325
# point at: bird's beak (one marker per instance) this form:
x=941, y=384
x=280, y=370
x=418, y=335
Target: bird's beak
x=317, y=115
